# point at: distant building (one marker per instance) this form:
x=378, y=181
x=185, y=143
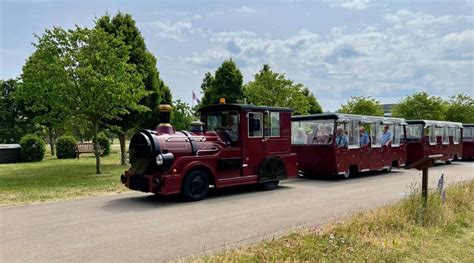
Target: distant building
x=387, y=109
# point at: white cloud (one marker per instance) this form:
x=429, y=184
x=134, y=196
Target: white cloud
x=244, y=9
x=417, y=51
x=179, y=30
x=351, y=4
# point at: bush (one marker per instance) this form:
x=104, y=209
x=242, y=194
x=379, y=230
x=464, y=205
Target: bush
x=32, y=148
x=104, y=144
x=65, y=147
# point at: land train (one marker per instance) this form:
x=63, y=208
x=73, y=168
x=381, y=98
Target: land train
x=236, y=144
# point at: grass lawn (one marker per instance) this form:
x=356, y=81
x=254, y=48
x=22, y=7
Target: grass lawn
x=54, y=179
x=403, y=232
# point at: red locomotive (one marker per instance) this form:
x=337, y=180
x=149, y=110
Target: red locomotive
x=232, y=145
x=468, y=141
x=438, y=139
x=343, y=145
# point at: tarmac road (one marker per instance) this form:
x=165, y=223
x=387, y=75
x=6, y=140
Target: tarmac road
x=138, y=227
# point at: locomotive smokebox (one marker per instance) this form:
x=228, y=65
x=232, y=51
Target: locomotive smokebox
x=165, y=118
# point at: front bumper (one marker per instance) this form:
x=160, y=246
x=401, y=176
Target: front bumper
x=141, y=183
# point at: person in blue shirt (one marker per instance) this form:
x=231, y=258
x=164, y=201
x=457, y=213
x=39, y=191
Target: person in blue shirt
x=364, y=137
x=386, y=136
x=341, y=138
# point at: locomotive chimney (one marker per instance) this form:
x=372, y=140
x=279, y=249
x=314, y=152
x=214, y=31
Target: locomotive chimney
x=165, y=118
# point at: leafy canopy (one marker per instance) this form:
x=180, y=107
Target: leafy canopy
x=460, y=108
x=421, y=105
x=363, y=106
x=226, y=83
x=273, y=89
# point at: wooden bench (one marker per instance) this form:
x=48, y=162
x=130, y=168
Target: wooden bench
x=84, y=148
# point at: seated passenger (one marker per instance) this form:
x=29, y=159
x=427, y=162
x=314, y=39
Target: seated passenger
x=341, y=138
x=300, y=137
x=323, y=136
x=386, y=136
x=364, y=137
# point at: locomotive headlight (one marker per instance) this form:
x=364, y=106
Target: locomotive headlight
x=159, y=159
x=165, y=159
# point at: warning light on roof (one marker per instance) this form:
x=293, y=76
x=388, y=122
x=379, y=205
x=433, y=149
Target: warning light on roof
x=221, y=100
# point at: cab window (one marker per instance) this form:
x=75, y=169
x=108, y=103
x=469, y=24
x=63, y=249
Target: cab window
x=224, y=123
x=255, y=123
x=272, y=124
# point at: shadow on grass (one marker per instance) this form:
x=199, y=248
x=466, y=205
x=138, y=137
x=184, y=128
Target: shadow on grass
x=151, y=201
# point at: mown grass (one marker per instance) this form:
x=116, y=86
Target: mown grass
x=397, y=233
x=54, y=179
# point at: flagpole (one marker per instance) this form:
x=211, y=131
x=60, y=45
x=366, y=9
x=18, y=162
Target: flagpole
x=192, y=99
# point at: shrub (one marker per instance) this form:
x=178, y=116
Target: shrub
x=65, y=147
x=32, y=148
x=104, y=144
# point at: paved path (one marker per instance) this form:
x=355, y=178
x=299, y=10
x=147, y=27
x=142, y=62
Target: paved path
x=136, y=227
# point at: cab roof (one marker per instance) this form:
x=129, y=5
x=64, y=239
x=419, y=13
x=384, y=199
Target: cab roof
x=240, y=107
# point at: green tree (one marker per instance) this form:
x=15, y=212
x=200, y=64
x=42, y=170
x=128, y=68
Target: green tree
x=363, y=106
x=460, y=108
x=181, y=115
x=45, y=82
x=421, y=105
x=14, y=123
x=105, y=86
x=314, y=106
x=226, y=83
x=273, y=89
x=123, y=27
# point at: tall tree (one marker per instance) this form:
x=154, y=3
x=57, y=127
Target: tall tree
x=421, y=105
x=14, y=122
x=363, y=106
x=460, y=108
x=274, y=89
x=226, y=83
x=181, y=115
x=105, y=86
x=45, y=82
x=123, y=27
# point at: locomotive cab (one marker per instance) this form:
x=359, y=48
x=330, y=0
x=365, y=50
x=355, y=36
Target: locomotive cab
x=232, y=144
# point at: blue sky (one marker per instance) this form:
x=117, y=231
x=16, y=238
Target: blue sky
x=337, y=48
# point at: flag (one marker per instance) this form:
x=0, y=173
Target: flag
x=196, y=98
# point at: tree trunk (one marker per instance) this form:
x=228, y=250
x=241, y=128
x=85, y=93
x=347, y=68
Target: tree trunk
x=122, y=148
x=96, y=149
x=51, y=140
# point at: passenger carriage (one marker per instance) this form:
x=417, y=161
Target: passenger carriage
x=438, y=139
x=314, y=142
x=468, y=141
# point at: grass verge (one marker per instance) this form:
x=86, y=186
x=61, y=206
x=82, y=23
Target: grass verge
x=54, y=179
x=397, y=233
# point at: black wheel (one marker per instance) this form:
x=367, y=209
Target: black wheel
x=448, y=162
x=270, y=185
x=195, y=186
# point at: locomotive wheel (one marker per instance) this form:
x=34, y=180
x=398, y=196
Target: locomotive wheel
x=270, y=185
x=195, y=186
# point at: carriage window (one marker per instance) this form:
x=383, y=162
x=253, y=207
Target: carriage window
x=414, y=132
x=352, y=132
x=457, y=134
x=255, y=124
x=375, y=134
x=439, y=132
x=312, y=132
x=445, y=135
x=432, y=134
x=466, y=133
x=396, y=133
